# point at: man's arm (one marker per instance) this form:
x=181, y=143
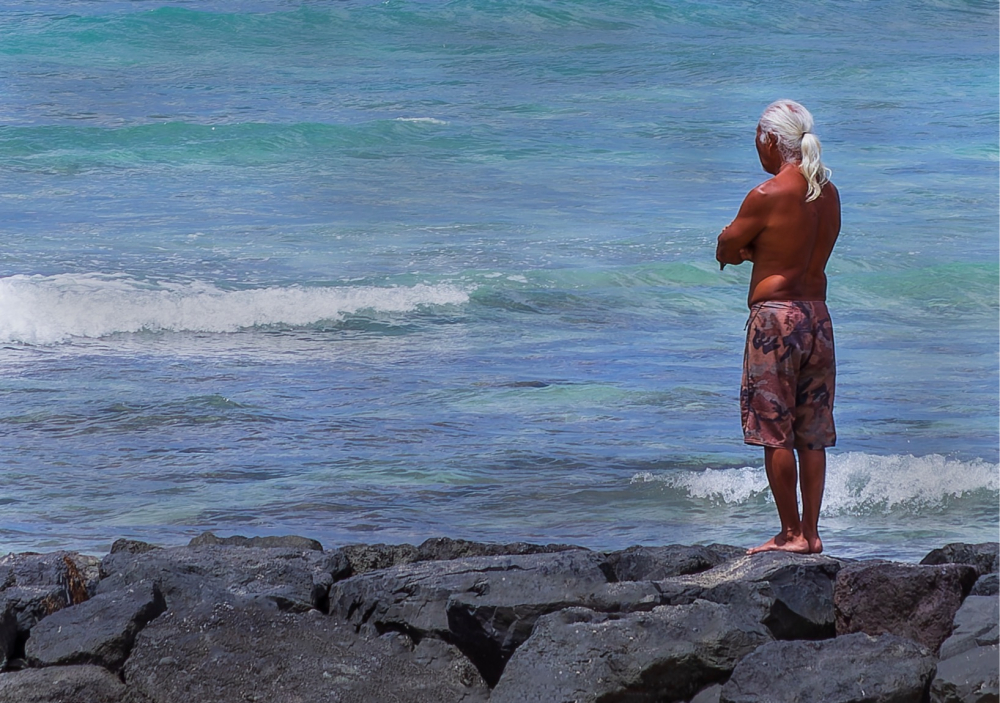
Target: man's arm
x=738, y=237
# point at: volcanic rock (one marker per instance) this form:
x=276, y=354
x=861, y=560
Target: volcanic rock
x=916, y=602
x=854, y=668
x=98, y=631
x=61, y=684
x=225, y=654
x=667, y=654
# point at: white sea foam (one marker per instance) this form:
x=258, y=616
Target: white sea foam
x=856, y=483
x=52, y=309
x=425, y=120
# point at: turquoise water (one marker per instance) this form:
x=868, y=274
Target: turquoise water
x=385, y=271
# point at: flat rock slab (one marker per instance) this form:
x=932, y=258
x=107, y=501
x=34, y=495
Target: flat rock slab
x=257, y=653
x=850, y=669
x=291, y=578
x=61, y=684
x=792, y=594
x=373, y=557
x=667, y=654
x=916, y=602
x=985, y=557
x=972, y=676
x=98, y=631
x=977, y=624
x=654, y=563
x=415, y=598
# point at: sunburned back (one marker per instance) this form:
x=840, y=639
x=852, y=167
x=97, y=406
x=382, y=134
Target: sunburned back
x=791, y=252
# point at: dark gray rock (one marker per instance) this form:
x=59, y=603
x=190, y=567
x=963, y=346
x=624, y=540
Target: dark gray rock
x=256, y=653
x=270, y=542
x=985, y=557
x=792, y=594
x=916, y=602
x=709, y=695
x=970, y=666
x=132, y=546
x=986, y=585
x=98, y=631
x=445, y=548
x=8, y=636
x=655, y=563
x=292, y=579
x=363, y=558
x=416, y=598
x=850, y=669
x=61, y=684
x=33, y=586
x=970, y=677
x=667, y=654
x=976, y=625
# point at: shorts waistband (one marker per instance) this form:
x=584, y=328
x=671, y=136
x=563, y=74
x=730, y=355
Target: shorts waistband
x=782, y=305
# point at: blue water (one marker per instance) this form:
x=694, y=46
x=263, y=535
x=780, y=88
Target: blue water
x=382, y=271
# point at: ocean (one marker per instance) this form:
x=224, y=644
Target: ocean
x=384, y=271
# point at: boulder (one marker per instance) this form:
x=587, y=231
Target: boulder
x=916, y=602
x=98, y=631
x=293, y=542
x=969, y=677
x=667, y=654
x=986, y=585
x=258, y=653
x=61, y=684
x=792, y=594
x=655, y=563
x=417, y=599
x=8, y=636
x=985, y=557
x=362, y=558
x=445, y=548
x=709, y=695
x=293, y=579
x=854, y=668
x=976, y=625
x=970, y=665
x=373, y=557
x=35, y=585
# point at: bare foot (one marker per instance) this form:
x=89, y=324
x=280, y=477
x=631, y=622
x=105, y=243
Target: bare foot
x=784, y=543
x=815, y=544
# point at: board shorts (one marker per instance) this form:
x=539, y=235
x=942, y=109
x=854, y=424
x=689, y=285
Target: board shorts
x=789, y=376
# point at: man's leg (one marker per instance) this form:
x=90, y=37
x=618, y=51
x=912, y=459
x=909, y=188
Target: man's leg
x=812, y=474
x=782, y=476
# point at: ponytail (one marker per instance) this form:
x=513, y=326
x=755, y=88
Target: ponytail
x=816, y=174
x=791, y=124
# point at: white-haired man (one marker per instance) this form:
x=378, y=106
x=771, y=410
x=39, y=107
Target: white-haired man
x=787, y=227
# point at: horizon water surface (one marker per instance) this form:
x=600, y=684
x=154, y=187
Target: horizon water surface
x=385, y=271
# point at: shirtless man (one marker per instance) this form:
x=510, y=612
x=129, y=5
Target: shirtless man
x=787, y=227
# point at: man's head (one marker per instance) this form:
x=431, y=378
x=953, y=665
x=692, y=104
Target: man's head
x=785, y=131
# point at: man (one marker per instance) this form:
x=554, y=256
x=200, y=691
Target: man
x=787, y=227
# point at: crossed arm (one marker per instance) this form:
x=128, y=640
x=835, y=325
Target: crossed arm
x=736, y=241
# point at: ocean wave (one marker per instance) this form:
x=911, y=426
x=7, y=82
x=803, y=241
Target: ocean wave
x=856, y=483
x=53, y=309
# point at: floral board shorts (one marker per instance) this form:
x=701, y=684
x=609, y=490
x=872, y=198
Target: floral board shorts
x=789, y=375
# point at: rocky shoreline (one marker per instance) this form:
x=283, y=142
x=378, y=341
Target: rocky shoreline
x=281, y=620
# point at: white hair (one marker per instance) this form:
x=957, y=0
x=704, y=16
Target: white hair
x=791, y=125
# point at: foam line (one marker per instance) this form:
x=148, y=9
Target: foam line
x=52, y=309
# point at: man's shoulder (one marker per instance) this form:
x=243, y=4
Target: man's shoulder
x=777, y=188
